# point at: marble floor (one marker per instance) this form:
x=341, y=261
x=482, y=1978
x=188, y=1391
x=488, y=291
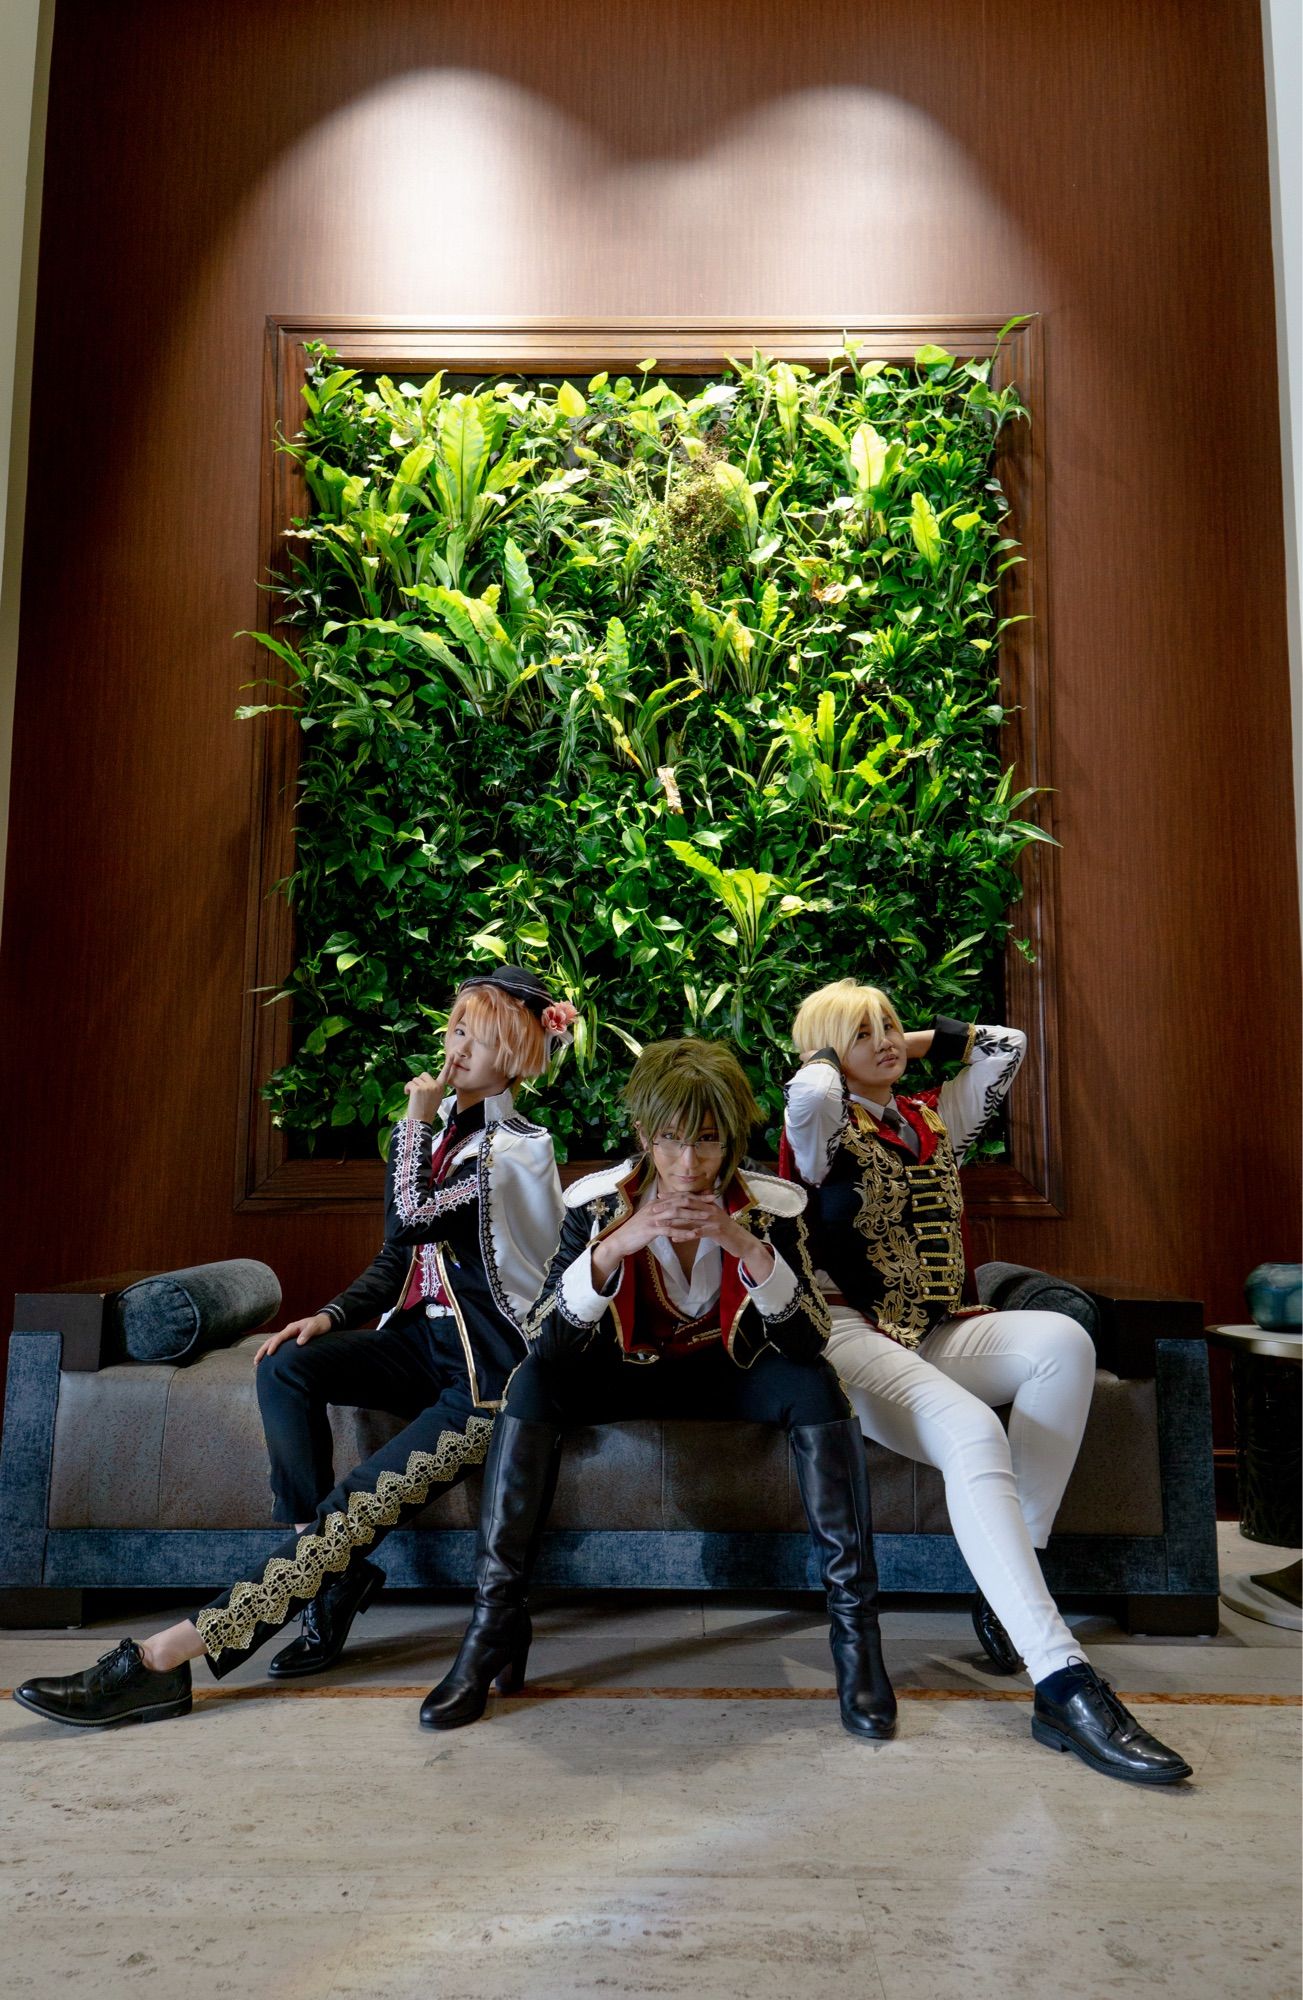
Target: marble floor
x=673, y=1810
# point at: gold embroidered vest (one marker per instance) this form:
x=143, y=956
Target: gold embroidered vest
x=890, y=1230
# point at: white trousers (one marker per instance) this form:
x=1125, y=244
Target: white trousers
x=936, y=1403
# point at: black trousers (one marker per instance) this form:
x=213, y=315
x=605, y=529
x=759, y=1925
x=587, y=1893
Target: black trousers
x=407, y=1368
x=597, y=1386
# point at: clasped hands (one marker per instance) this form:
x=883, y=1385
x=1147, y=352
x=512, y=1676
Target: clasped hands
x=683, y=1218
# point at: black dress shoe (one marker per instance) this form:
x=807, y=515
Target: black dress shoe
x=118, y=1688
x=1076, y=1710
x=327, y=1618
x=996, y=1643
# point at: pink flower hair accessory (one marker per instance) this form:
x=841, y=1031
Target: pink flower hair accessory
x=556, y=1018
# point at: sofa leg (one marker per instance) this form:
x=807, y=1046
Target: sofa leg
x=1183, y=1617
x=27, y=1609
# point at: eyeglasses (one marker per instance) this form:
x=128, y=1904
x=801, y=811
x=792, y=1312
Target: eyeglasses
x=673, y=1147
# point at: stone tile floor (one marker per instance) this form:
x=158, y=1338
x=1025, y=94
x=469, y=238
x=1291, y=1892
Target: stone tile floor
x=720, y=1836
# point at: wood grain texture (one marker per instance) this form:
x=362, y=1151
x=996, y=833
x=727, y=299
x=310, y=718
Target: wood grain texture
x=1103, y=165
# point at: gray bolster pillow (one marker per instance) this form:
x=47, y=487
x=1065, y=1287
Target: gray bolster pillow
x=1018, y=1288
x=181, y=1314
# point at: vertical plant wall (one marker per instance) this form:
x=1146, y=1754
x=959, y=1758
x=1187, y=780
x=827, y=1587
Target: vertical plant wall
x=685, y=693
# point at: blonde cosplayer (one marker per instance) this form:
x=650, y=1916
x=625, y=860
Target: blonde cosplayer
x=834, y=1016
x=925, y=1361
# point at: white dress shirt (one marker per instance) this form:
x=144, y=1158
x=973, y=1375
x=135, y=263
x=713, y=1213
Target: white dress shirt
x=815, y=1108
x=692, y=1292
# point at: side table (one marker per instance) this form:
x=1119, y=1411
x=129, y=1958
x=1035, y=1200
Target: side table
x=1266, y=1378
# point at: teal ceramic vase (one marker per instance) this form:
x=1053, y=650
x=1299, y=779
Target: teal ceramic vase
x=1275, y=1296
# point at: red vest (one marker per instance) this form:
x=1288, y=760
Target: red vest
x=651, y=1326
x=424, y=1285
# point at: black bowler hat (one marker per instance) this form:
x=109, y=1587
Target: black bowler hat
x=516, y=982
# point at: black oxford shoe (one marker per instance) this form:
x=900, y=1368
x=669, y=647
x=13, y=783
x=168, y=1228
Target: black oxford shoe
x=995, y=1641
x=118, y=1688
x=1075, y=1710
x=327, y=1619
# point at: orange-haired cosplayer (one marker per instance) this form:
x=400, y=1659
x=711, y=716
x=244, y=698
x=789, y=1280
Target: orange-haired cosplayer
x=473, y=1216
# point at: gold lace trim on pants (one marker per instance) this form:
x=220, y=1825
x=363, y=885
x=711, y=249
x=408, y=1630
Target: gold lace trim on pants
x=231, y=1626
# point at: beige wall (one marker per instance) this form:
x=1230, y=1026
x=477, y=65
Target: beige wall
x=25, y=27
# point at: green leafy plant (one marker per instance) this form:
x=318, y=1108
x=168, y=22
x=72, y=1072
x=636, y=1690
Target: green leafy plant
x=686, y=695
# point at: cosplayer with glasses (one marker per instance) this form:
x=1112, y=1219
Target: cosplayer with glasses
x=681, y=1288
x=480, y=1201
x=925, y=1365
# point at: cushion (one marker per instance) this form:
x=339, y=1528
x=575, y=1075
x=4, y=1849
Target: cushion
x=1018, y=1288
x=181, y=1314
x=148, y=1447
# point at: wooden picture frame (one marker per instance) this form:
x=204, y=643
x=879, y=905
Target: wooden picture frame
x=1029, y=1182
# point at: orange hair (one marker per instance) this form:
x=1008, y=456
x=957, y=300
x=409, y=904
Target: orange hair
x=508, y=1027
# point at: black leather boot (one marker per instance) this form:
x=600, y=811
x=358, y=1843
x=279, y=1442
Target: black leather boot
x=996, y=1643
x=835, y=1491
x=118, y=1688
x=519, y=1480
x=327, y=1617
x=1075, y=1710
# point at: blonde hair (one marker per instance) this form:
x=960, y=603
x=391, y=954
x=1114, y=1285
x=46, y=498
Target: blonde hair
x=832, y=1017
x=514, y=1034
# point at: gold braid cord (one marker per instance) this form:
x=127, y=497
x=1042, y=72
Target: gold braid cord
x=231, y=1626
x=812, y=1299
x=909, y=1218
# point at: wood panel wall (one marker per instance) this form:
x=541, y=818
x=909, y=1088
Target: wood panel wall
x=1103, y=164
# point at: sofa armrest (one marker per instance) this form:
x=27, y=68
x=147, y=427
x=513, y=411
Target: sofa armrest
x=1132, y=1318
x=81, y=1313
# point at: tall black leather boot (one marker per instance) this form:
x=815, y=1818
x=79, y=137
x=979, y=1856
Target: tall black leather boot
x=835, y=1491
x=519, y=1480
